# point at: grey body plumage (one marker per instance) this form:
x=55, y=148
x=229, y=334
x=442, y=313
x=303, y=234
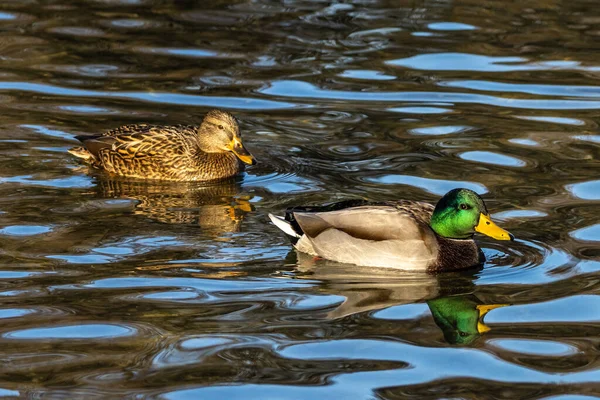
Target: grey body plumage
x=396, y=234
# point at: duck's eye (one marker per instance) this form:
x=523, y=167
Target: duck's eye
x=221, y=127
x=463, y=206
x=463, y=334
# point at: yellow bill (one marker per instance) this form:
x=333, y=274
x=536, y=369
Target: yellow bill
x=484, y=309
x=240, y=151
x=488, y=228
x=482, y=328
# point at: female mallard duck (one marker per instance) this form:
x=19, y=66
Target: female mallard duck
x=210, y=151
x=409, y=235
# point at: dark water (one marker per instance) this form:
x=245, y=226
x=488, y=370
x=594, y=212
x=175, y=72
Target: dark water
x=123, y=289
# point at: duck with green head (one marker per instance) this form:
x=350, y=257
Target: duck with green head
x=404, y=234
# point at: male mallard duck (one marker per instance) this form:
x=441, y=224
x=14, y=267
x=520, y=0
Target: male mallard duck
x=210, y=151
x=409, y=235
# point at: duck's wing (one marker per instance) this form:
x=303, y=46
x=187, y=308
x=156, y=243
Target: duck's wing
x=395, y=235
x=289, y=225
x=138, y=142
x=337, y=206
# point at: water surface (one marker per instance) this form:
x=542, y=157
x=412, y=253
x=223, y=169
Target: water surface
x=114, y=288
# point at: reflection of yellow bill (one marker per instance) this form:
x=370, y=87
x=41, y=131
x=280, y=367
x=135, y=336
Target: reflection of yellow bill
x=487, y=227
x=240, y=151
x=484, y=309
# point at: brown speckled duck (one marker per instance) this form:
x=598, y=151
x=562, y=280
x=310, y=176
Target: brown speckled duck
x=213, y=150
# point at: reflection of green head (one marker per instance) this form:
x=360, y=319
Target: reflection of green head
x=460, y=317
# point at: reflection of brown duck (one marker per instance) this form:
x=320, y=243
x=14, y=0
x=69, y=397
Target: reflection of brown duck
x=217, y=208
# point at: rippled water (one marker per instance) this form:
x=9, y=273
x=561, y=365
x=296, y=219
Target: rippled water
x=113, y=288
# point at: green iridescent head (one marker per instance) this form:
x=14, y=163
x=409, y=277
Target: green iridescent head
x=461, y=213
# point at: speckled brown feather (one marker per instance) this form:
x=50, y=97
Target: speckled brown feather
x=159, y=152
